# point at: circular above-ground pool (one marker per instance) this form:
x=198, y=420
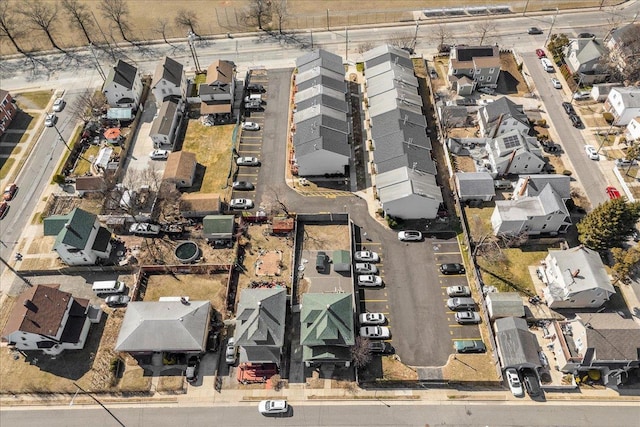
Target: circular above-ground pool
x=187, y=252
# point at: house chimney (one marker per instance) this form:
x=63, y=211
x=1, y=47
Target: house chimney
x=30, y=305
x=575, y=273
x=524, y=186
x=68, y=227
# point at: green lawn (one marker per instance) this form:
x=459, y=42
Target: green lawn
x=83, y=166
x=212, y=147
x=34, y=100
x=511, y=274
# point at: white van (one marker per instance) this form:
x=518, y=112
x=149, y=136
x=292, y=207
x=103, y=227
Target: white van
x=547, y=65
x=108, y=287
x=254, y=97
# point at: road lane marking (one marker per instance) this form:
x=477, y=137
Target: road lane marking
x=466, y=339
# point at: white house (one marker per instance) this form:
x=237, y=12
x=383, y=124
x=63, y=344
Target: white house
x=624, y=104
x=513, y=153
x=575, y=278
x=217, y=92
x=477, y=64
x=633, y=129
x=123, y=86
x=406, y=193
x=46, y=319
x=501, y=116
x=623, y=47
x=80, y=239
x=584, y=57
x=164, y=126
x=169, y=81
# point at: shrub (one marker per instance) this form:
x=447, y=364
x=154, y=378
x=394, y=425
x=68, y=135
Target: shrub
x=392, y=222
x=608, y=117
x=542, y=123
x=566, y=172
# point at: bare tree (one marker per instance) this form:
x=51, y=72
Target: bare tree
x=187, y=18
x=259, y=11
x=161, y=27
x=117, y=11
x=43, y=16
x=364, y=47
x=402, y=41
x=9, y=25
x=281, y=12
x=486, y=30
x=80, y=15
x=623, y=61
x=275, y=203
x=442, y=37
x=88, y=105
x=360, y=353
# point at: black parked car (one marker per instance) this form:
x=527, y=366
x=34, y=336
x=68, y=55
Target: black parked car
x=575, y=120
x=243, y=186
x=192, y=369
x=531, y=382
x=381, y=347
x=256, y=88
x=454, y=268
x=568, y=108
x=534, y=30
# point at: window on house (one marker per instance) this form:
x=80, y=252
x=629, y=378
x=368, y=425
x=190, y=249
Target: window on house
x=593, y=301
x=492, y=70
x=526, y=166
x=549, y=218
x=544, y=226
x=478, y=71
x=488, y=78
x=481, y=78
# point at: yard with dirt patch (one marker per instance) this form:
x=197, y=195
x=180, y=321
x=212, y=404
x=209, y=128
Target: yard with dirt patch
x=197, y=287
x=212, y=147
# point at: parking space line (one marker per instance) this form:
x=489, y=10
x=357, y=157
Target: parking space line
x=374, y=300
x=448, y=253
x=250, y=144
x=247, y=174
x=465, y=339
x=251, y=151
x=455, y=326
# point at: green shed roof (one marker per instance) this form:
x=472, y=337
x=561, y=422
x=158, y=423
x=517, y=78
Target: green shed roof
x=218, y=224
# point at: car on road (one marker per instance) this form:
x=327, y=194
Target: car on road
x=191, y=373
x=380, y=347
x=243, y=186
x=409, y=236
x=144, y=229
x=540, y=53
x=568, y=108
x=255, y=88
x=591, y=152
x=4, y=207
x=556, y=83
x=231, y=352
x=159, y=154
x=467, y=317
x=241, y=204
x=575, y=121
x=452, y=268
x=534, y=30
x=366, y=256
x=375, y=332
x=513, y=381
x=458, y=291
x=267, y=407
x=58, y=105
x=50, y=120
x=250, y=126
x=531, y=382
x=117, y=300
x=247, y=161
x=9, y=191
x=372, y=319
x=469, y=346
x=366, y=268
x=369, y=280
x=612, y=192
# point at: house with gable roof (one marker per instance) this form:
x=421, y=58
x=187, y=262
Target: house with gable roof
x=623, y=47
x=166, y=123
x=46, y=319
x=327, y=329
x=584, y=58
x=575, y=278
x=473, y=66
x=260, y=325
x=123, y=86
x=512, y=153
x=408, y=193
x=474, y=186
x=624, y=104
x=538, y=206
x=80, y=239
x=8, y=110
x=218, y=90
x=501, y=116
x=169, y=81
x=180, y=169
x=605, y=342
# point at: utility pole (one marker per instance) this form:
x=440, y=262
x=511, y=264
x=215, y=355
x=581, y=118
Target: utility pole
x=191, y=38
x=98, y=67
x=553, y=21
x=346, y=44
x=525, y=8
x=415, y=37
x=99, y=403
x=311, y=38
x=328, y=20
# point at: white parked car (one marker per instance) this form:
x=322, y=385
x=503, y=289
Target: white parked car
x=58, y=105
x=591, y=152
x=458, y=291
x=144, y=229
x=231, y=352
x=467, y=317
x=50, y=120
x=372, y=319
x=266, y=407
x=409, y=236
x=250, y=126
x=513, y=380
x=366, y=268
x=556, y=83
x=369, y=280
x=159, y=154
x=376, y=332
x=366, y=256
x=247, y=161
x=241, y=204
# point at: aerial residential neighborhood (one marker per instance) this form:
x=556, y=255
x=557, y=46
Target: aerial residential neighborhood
x=271, y=208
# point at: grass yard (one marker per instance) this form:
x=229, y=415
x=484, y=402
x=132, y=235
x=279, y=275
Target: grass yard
x=196, y=287
x=326, y=237
x=212, y=146
x=83, y=166
x=37, y=100
x=470, y=368
x=511, y=273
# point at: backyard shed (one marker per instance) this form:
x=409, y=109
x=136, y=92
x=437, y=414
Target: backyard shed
x=341, y=261
x=218, y=227
x=504, y=304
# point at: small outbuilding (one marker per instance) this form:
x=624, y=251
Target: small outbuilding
x=473, y=186
x=218, y=227
x=504, y=304
x=517, y=346
x=341, y=261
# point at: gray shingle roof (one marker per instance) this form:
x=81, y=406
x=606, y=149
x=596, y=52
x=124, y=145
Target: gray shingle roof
x=322, y=138
x=612, y=336
x=535, y=183
x=592, y=273
x=123, y=74
x=401, y=182
x=397, y=71
x=306, y=127
x=502, y=107
x=317, y=111
x=518, y=347
x=330, y=82
x=315, y=72
x=387, y=53
x=321, y=58
x=261, y=317
x=472, y=184
x=326, y=100
x=164, y=326
x=169, y=70
x=162, y=123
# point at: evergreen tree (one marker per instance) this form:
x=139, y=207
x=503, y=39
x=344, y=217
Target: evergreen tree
x=609, y=224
